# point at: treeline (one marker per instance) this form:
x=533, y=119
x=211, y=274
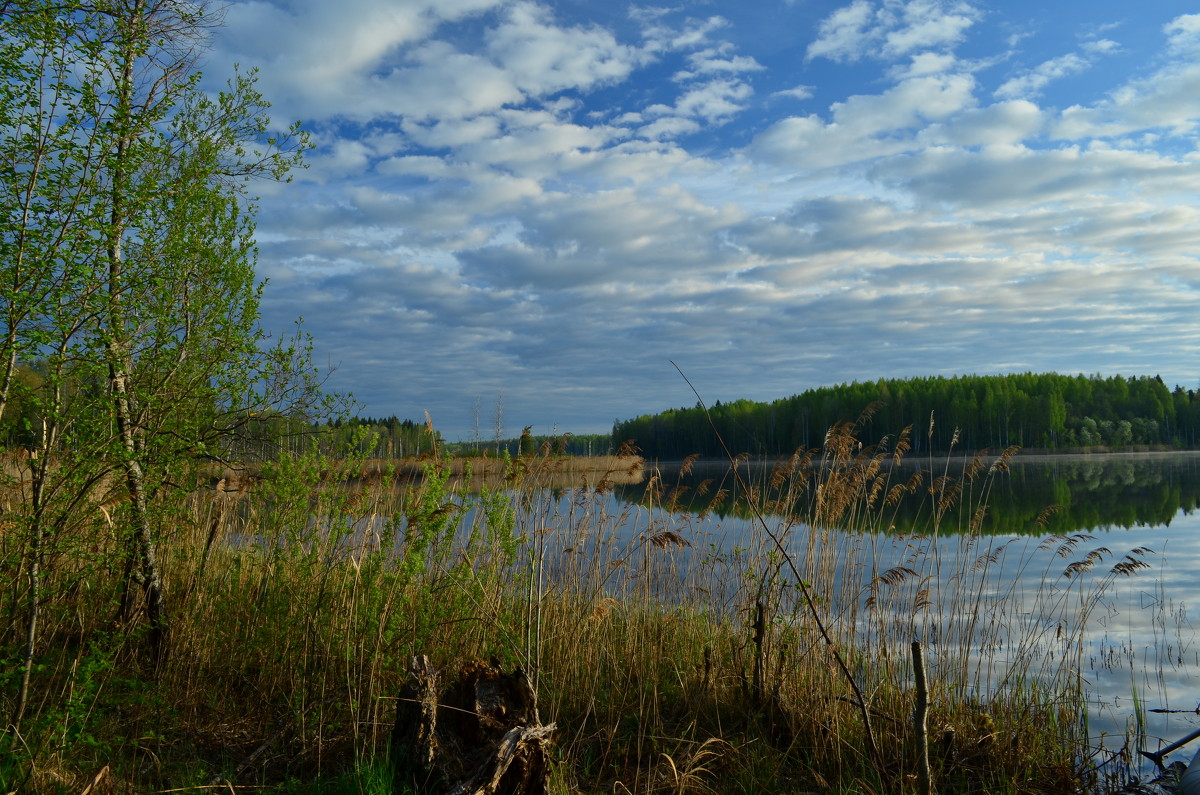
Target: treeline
x=529, y=443
x=972, y=412
x=266, y=436
x=393, y=438
x=382, y=437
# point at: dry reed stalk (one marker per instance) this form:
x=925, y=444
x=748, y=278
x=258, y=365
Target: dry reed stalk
x=814, y=613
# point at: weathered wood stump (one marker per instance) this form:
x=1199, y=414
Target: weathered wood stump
x=481, y=736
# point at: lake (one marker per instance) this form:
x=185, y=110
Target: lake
x=1074, y=571
x=1098, y=591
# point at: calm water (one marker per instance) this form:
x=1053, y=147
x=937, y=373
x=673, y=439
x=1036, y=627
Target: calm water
x=1138, y=648
x=1038, y=593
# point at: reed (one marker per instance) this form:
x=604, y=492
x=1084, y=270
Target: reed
x=672, y=657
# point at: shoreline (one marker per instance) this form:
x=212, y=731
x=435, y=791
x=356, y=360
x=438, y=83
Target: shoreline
x=1039, y=455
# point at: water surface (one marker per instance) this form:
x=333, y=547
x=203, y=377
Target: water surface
x=1101, y=587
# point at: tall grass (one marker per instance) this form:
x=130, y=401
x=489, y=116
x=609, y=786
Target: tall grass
x=672, y=658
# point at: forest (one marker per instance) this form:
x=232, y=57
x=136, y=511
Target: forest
x=966, y=413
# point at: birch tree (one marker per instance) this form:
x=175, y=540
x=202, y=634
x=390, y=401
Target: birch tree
x=129, y=265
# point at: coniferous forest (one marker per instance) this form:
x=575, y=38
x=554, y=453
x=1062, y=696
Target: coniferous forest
x=972, y=412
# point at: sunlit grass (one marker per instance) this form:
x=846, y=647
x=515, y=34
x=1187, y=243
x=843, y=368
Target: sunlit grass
x=671, y=658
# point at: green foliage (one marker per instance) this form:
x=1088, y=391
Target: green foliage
x=371, y=777
x=130, y=347
x=389, y=437
x=969, y=413
x=431, y=520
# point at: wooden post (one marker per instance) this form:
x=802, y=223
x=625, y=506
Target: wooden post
x=920, y=715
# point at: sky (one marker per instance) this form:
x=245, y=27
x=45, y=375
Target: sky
x=539, y=207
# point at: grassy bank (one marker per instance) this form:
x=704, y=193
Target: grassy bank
x=667, y=665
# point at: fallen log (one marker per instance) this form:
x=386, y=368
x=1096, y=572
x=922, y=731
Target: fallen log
x=480, y=736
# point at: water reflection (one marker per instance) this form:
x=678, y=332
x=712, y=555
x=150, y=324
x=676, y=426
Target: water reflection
x=1102, y=589
x=1089, y=492
x=1034, y=595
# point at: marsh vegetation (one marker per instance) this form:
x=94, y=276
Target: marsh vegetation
x=671, y=659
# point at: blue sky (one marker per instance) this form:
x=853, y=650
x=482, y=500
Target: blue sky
x=551, y=201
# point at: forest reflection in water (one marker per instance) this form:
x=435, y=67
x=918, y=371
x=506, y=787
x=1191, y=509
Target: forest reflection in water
x=1133, y=642
x=1087, y=492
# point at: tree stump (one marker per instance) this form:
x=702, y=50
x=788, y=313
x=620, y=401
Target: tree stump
x=481, y=736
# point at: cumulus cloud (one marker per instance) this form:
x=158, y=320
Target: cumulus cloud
x=542, y=57
x=924, y=64
x=846, y=33
x=891, y=29
x=865, y=126
x=716, y=60
x=714, y=101
x=554, y=201
x=1003, y=123
x=1183, y=34
x=327, y=57
x=1101, y=46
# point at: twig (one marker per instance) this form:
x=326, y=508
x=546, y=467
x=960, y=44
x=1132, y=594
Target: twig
x=1157, y=756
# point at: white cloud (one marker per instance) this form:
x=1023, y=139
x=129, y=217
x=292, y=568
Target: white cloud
x=925, y=64
x=669, y=127
x=1016, y=176
x=534, y=147
x=926, y=24
x=339, y=158
x=865, y=126
x=416, y=165
x=714, y=101
x=316, y=54
x=1101, y=46
x=526, y=191
x=439, y=82
x=695, y=33
x=1031, y=83
x=541, y=57
x=907, y=104
x=844, y=34
x=572, y=242
x=799, y=92
x=1183, y=34
x=1004, y=123
x=891, y=29
x=714, y=60
x=453, y=132
x=809, y=143
x=1167, y=99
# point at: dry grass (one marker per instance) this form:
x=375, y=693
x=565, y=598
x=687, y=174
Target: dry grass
x=669, y=664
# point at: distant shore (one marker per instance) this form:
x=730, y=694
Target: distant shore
x=1039, y=455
